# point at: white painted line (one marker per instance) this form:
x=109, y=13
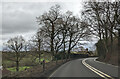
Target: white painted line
x=100, y=73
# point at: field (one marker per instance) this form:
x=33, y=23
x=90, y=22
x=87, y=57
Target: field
x=27, y=61
x=28, y=64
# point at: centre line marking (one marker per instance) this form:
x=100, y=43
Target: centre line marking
x=100, y=73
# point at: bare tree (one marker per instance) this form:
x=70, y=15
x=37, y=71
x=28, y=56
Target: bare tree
x=16, y=45
x=76, y=31
x=103, y=18
x=38, y=40
x=49, y=21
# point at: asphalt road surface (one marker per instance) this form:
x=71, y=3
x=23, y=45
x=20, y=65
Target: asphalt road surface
x=86, y=67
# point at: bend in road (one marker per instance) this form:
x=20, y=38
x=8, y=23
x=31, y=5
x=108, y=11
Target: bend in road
x=76, y=68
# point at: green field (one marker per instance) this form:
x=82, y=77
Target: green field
x=26, y=62
x=13, y=69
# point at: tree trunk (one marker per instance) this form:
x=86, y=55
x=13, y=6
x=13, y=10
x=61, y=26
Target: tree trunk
x=39, y=49
x=52, y=40
x=69, y=49
x=119, y=46
x=99, y=31
x=64, y=47
x=119, y=38
x=39, y=57
x=64, y=52
x=17, y=65
x=106, y=41
x=106, y=36
x=111, y=40
x=17, y=61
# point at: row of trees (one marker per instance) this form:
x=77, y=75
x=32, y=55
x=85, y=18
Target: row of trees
x=103, y=18
x=58, y=32
x=61, y=32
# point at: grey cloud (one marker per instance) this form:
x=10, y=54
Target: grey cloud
x=21, y=17
x=18, y=25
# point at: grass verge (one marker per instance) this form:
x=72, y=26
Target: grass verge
x=13, y=69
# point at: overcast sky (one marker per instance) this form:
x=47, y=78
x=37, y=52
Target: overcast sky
x=19, y=17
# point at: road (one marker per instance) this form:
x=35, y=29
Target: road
x=86, y=67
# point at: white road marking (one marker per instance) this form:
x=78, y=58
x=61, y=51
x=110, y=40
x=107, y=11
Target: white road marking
x=100, y=73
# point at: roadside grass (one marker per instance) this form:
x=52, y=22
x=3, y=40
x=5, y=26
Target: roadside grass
x=8, y=63
x=13, y=69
